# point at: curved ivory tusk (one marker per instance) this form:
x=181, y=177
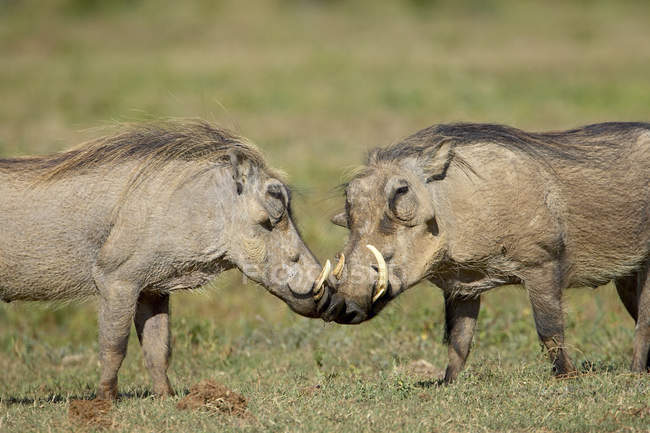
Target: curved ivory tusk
x=318, y=287
x=338, y=269
x=382, y=278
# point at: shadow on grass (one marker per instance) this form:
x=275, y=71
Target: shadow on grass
x=429, y=383
x=586, y=368
x=60, y=398
x=597, y=367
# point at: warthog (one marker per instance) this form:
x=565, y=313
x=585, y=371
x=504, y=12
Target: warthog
x=471, y=207
x=136, y=216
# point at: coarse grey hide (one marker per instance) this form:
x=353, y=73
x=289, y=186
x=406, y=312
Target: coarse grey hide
x=474, y=206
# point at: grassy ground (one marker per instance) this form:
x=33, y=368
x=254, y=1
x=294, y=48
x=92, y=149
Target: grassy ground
x=316, y=84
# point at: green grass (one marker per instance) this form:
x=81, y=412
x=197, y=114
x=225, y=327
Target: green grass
x=316, y=84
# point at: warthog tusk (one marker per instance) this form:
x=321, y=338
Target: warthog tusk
x=338, y=269
x=324, y=273
x=382, y=277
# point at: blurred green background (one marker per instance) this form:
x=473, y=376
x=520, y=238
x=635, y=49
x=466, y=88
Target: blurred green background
x=316, y=84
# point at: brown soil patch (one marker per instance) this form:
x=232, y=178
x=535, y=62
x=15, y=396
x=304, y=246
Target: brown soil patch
x=212, y=395
x=424, y=369
x=92, y=413
x=310, y=390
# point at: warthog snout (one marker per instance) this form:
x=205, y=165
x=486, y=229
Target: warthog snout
x=352, y=314
x=332, y=308
x=371, y=272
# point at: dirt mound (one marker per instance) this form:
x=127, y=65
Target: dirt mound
x=212, y=395
x=423, y=368
x=92, y=413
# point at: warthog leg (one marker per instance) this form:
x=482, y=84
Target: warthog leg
x=152, y=326
x=545, y=294
x=626, y=288
x=116, y=311
x=633, y=291
x=641, y=355
x=460, y=322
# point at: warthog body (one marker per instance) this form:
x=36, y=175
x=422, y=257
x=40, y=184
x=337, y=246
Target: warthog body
x=135, y=216
x=472, y=207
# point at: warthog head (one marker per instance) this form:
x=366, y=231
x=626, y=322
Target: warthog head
x=266, y=246
x=394, y=239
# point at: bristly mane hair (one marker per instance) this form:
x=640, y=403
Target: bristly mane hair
x=152, y=144
x=575, y=144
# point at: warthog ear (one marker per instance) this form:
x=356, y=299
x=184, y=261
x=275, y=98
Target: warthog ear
x=276, y=199
x=435, y=160
x=241, y=169
x=402, y=201
x=340, y=219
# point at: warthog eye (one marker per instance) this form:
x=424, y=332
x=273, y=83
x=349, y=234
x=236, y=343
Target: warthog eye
x=267, y=224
